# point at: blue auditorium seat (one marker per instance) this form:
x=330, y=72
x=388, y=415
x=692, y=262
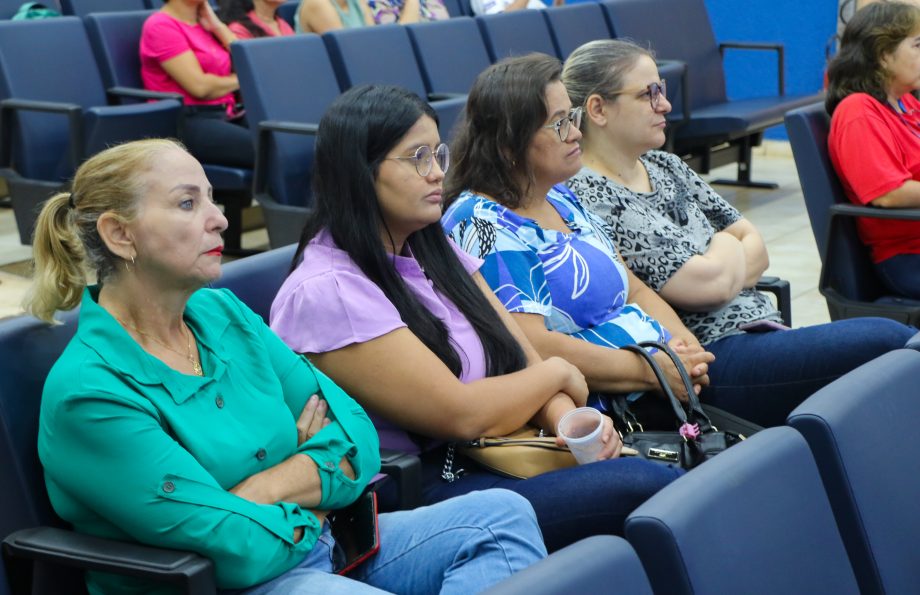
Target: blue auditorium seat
x=283, y=117
x=383, y=54
x=81, y=8
x=288, y=11
x=450, y=53
x=54, y=111
x=862, y=431
x=516, y=33
x=575, y=25
x=115, y=37
x=720, y=130
x=754, y=519
x=848, y=281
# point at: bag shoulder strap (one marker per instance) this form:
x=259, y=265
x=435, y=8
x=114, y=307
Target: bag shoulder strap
x=693, y=402
x=659, y=375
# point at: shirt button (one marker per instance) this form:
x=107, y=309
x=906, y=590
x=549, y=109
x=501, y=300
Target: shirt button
x=169, y=487
x=329, y=464
x=260, y=454
x=219, y=401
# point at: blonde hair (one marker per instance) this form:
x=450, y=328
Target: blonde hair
x=66, y=244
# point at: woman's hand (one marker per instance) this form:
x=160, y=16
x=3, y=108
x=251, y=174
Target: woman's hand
x=312, y=419
x=609, y=436
x=574, y=383
x=207, y=18
x=696, y=362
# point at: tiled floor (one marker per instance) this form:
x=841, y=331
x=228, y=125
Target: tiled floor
x=778, y=214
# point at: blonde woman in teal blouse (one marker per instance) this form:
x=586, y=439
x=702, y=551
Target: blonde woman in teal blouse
x=176, y=418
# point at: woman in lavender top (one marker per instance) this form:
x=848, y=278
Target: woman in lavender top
x=386, y=305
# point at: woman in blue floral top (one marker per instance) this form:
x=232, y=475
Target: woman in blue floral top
x=551, y=263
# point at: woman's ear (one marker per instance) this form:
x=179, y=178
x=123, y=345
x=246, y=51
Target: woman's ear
x=116, y=235
x=596, y=109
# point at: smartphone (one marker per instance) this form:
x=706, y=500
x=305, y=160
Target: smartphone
x=355, y=531
x=762, y=326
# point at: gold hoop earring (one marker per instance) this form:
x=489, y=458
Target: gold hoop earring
x=127, y=269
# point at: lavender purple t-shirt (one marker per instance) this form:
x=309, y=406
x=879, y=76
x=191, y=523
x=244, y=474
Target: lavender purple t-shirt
x=327, y=303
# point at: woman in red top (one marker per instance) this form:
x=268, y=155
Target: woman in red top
x=249, y=19
x=874, y=141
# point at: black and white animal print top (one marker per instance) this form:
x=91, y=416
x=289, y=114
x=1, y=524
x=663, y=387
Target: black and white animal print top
x=659, y=231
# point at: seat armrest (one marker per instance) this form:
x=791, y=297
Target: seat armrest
x=780, y=288
x=848, y=210
x=443, y=96
x=192, y=573
x=406, y=471
x=135, y=93
x=666, y=67
x=74, y=115
x=754, y=45
x=266, y=128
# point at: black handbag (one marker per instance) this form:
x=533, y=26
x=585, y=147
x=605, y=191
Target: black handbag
x=695, y=438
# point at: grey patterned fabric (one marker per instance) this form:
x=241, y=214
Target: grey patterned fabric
x=659, y=231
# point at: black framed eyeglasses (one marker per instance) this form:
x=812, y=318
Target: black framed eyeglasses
x=654, y=92
x=423, y=158
x=563, y=125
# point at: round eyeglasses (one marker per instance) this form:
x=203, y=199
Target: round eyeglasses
x=423, y=158
x=563, y=125
x=654, y=92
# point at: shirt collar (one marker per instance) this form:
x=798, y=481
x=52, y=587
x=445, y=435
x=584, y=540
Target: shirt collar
x=104, y=335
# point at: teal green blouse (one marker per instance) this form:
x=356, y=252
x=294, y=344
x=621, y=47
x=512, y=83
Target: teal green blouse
x=136, y=451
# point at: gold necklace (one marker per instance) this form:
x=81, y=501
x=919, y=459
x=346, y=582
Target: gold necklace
x=196, y=366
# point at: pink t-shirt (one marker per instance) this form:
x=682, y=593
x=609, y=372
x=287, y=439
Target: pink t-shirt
x=875, y=150
x=164, y=38
x=327, y=303
x=242, y=32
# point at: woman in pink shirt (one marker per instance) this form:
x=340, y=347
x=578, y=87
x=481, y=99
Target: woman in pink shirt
x=184, y=50
x=250, y=19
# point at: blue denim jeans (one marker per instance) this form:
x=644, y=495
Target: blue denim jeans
x=571, y=504
x=762, y=377
x=901, y=274
x=460, y=546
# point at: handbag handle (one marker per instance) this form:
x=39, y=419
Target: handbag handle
x=679, y=410
x=693, y=401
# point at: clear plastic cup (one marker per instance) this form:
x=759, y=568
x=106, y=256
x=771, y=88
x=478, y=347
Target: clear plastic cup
x=581, y=429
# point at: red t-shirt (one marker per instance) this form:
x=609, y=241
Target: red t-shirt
x=875, y=150
x=164, y=38
x=242, y=32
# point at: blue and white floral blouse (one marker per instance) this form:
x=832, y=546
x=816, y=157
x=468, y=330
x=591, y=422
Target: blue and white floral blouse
x=575, y=280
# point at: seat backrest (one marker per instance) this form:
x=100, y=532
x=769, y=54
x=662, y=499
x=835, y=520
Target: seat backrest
x=288, y=11
x=28, y=349
x=754, y=519
x=849, y=268
x=516, y=33
x=46, y=60
x=381, y=54
x=575, y=25
x=81, y=8
x=445, y=69
x=586, y=566
x=682, y=32
x=861, y=429
x=116, y=37
x=289, y=79
x=257, y=279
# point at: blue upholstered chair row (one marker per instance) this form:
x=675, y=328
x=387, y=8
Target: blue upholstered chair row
x=59, y=104
x=848, y=279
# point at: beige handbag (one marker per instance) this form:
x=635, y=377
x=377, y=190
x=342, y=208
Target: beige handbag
x=521, y=454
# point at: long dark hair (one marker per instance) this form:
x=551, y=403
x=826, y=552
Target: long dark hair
x=504, y=110
x=873, y=32
x=354, y=137
x=237, y=11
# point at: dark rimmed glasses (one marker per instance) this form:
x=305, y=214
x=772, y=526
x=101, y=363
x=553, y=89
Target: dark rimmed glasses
x=563, y=125
x=423, y=158
x=654, y=92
